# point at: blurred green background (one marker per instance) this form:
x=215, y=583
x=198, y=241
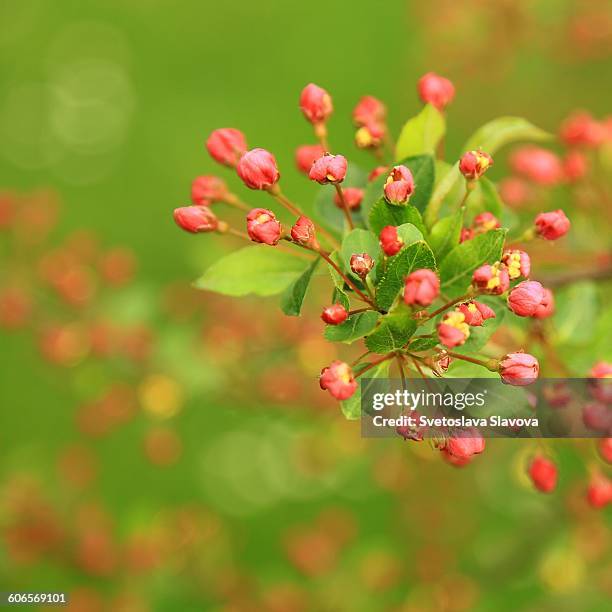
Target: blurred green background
x=257, y=500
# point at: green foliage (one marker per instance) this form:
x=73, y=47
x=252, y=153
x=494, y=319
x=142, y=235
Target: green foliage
x=423, y=170
x=445, y=234
x=576, y=313
x=409, y=233
x=457, y=268
x=412, y=257
x=293, y=296
x=340, y=297
x=260, y=270
x=423, y=344
x=393, y=332
x=351, y=408
x=421, y=134
x=383, y=214
x=355, y=327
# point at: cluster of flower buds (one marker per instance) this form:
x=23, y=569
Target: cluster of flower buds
x=421, y=287
x=369, y=116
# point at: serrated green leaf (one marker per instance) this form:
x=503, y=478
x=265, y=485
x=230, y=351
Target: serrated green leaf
x=457, y=268
x=383, y=214
x=576, y=313
x=479, y=336
x=445, y=234
x=355, y=327
x=409, y=233
x=423, y=344
x=351, y=408
x=421, y=134
x=340, y=297
x=293, y=297
x=259, y=270
x=413, y=257
x=336, y=278
x=392, y=332
x=423, y=169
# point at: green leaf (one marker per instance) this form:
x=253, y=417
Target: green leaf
x=355, y=327
x=359, y=241
x=351, y=408
x=485, y=198
x=409, y=233
x=479, y=336
x=421, y=134
x=336, y=278
x=260, y=270
x=576, y=313
x=293, y=296
x=502, y=131
x=383, y=214
x=423, y=344
x=393, y=332
x=373, y=192
x=340, y=297
x=413, y=257
x=457, y=268
x=423, y=168
x=445, y=234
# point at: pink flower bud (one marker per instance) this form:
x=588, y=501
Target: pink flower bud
x=361, y=264
x=485, y=222
x=263, y=227
x=543, y=474
x=306, y=155
x=196, y=219
x=597, y=417
x=226, y=146
x=599, y=493
x=369, y=110
x=352, y=196
x=399, y=185
x=435, y=90
x=328, y=169
x=519, y=369
x=539, y=165
x=602, y=369
x=258, y=170
x=464, y=443
x=514, y=191
x=206, y=190
x=453, y=330
x=552, y=225
x=525, y=298
x=339, y=380
x=316, y=103
x=474, y=164
x=546, y=308
x=605, y=449
x=491, y=279
x=466, y=234
x=575, y=166
x=421, y=288
x=370, y=136
x=334, y=314
x=303, y=232
x=476, y=313
x=378, y=171
x=390, y=242
x=580, y=129
x=517, y=263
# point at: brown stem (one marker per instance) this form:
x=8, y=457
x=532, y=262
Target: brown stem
x=235, y=202
x=359, y=359
x=346, y=279
x=375, y=363
x=320, y=130
x=461, y=298
x=400, y=366
x=358, y=310
x=345, y=208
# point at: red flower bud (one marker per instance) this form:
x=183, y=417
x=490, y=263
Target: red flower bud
x=226, y=146
x=316, y=103
x=485, y=222
x=370, y=136
x=517, y=263
x=453, y=330
x=491, y=279
x=206, y=190
x=399, y=185
x=575, y=166
x=328, y=169
x=258, y=170
x=369, y=110
x=435, y=90
x=543, y=474
x=474, y=164
x=602, y=369
x=514, y=191
x=361, y=264
x=552, y=225
x=334, y=314
x=597, y=416
x=546, y=308
x=599, y=493
x=422, y=287
x=338, y=379
x=374, y=174
x=263, y=227
x=196, y=219
x=390, y=242
x=352, y=197
x=539, y=165
x=466, y=234
x=605, y=449
x=476, y=313
x=303, y=232
x=306, y=155
x=463, y=445
x=519, y=369
x=525, y=298
x=580, y=129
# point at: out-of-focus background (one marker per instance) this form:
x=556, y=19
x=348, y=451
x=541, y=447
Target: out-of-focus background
x=166, y=449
